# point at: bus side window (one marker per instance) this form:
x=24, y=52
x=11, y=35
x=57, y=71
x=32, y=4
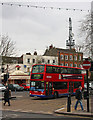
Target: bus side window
x=65, y=70
x=56, y=70
x=41, y=69
x=53, y=69
x=49, y=69
x=71, y=70
x=68, y=70
x=61, y=70
x=75, y=71
x=77, y=84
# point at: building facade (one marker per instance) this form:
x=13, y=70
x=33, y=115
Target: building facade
x=29, y=60
x=66, y=57
x=19, y=68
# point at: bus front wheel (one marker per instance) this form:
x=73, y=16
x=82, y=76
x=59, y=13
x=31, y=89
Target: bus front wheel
x=55, y=95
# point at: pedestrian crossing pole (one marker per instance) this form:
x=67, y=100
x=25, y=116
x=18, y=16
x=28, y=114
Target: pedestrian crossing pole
x=87, y=65
x=87, y=91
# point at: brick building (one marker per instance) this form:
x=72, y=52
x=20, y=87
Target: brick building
x=66, y=57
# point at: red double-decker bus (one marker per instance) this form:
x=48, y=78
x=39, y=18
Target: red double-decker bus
x=54, y=80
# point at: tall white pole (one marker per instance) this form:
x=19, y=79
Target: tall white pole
x=92, y=30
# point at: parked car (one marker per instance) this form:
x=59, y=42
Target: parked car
x=26, y=86
x=90, y=86
x=2, y=87
x=16, y=87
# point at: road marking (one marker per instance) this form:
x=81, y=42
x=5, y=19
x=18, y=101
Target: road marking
x=16, y=110
x=28, y=111
x=60, y=109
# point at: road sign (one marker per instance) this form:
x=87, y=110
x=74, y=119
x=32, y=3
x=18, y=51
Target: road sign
x=86, y=64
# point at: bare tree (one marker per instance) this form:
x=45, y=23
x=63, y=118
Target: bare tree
x=7, y=46
x=79, y=47
x=86, y=30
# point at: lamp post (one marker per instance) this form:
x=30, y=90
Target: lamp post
x=58, y=58
x=0, y=61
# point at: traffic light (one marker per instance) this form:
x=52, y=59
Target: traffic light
x=2, y=70
x=91, y=68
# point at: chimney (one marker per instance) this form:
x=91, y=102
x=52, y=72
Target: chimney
x=35, y=53
x=51, y=46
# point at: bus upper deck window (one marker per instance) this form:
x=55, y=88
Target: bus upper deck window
x=38, y=69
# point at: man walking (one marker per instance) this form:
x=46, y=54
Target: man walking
x=79, y=97
x=6, y=96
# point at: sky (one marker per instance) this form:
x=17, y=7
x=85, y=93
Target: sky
x=37, y=28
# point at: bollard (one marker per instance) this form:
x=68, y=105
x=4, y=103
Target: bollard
x=69, y=103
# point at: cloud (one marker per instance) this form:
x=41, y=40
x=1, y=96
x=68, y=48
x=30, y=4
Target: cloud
x=36, y=28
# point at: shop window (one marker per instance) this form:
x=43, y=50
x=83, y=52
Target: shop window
x=28, y=69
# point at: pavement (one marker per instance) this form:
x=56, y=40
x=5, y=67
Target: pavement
x=78, y=112
x=55, y=103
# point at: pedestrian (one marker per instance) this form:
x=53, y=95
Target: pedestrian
x=6, y=96
x=79, y=97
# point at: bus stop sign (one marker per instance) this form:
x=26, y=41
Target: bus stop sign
x=86, y=64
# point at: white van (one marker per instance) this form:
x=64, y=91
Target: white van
x=2, y=87
x=91, y=86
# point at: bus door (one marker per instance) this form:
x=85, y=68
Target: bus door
x=71, y=87
x=48, y=88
